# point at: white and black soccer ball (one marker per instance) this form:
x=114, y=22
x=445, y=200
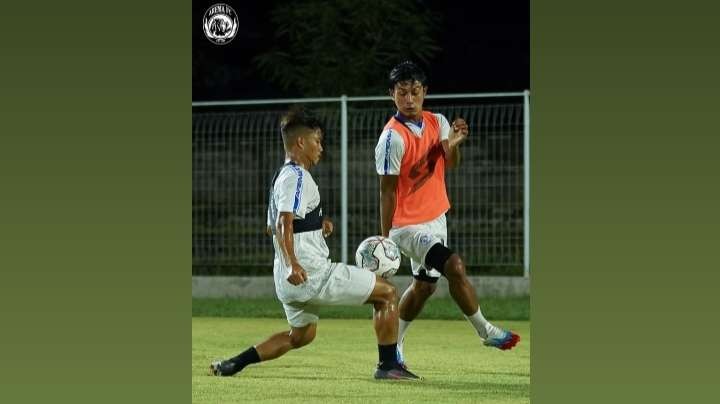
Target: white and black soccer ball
x=378, y=254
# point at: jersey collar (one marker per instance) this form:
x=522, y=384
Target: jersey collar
x=415, y=127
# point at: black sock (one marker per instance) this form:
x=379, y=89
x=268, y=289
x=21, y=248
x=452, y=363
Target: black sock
x=388, y=356
x=249, y=356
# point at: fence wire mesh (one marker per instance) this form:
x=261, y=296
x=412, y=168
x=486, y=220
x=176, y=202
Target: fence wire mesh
x=237, y=149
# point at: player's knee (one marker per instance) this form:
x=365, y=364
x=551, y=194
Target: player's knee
x=298, y=340
x=387, y=291
x=424, y=289
x=309, y=337
x=454, y=267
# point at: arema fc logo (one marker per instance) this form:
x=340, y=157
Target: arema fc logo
x=220, y=24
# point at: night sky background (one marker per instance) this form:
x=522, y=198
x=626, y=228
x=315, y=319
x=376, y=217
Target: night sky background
x=484, y=47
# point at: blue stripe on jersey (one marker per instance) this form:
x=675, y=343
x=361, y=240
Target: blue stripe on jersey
x=296, y=205
x=387, y=150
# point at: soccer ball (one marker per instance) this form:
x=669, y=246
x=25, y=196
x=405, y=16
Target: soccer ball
x=378, y=254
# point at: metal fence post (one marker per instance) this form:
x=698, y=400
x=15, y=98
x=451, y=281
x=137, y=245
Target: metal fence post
x=216, y=245
x=343, y=179
x=526, y=166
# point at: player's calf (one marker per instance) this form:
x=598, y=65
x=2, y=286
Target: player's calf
x=465, y=296
x=385, y=313
x=273, y=347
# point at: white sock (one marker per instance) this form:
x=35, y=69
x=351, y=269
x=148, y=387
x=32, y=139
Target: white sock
x=402, y=329
x=483, y=327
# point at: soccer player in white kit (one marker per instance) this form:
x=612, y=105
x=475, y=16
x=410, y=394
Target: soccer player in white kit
x=411, y=155
x=305, y=278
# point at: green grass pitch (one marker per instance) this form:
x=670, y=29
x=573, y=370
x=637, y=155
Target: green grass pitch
x=338, y=365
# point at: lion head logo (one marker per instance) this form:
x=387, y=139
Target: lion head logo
x=220, y=24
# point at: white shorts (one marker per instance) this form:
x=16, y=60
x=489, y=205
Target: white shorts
x=416, y=240
x=347, y=285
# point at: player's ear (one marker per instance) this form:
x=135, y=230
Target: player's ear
x=300, y=142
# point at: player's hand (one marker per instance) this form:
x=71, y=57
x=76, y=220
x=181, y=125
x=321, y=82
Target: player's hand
x=327, y=227
x=297, y=274
x=459, y=131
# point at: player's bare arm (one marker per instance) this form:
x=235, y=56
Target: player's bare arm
x=458, y=134
x=388, y=200
x=287, y=245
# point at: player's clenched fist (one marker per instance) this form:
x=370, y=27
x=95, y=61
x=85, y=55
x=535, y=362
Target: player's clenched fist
x=327, y=227
x=297, y=274
x=458, y=132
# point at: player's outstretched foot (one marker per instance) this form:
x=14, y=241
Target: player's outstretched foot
x=506, y=341
x=396, y=373
x=222, y=368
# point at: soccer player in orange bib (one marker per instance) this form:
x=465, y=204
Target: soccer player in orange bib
x=411, y=155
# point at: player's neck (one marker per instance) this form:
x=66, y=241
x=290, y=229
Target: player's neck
x=304, y=163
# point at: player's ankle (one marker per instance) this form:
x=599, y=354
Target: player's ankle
x=493, y=332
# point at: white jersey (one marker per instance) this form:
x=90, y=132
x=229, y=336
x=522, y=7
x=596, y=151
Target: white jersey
x=295, y=191
x=390, y=148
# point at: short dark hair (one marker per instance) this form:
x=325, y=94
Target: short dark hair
x=296, y=118
x=406, y=71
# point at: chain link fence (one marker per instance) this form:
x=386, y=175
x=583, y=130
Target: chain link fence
x=236, y=149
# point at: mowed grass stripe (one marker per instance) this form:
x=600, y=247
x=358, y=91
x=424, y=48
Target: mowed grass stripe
x=338, y=365
x=436, y=308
